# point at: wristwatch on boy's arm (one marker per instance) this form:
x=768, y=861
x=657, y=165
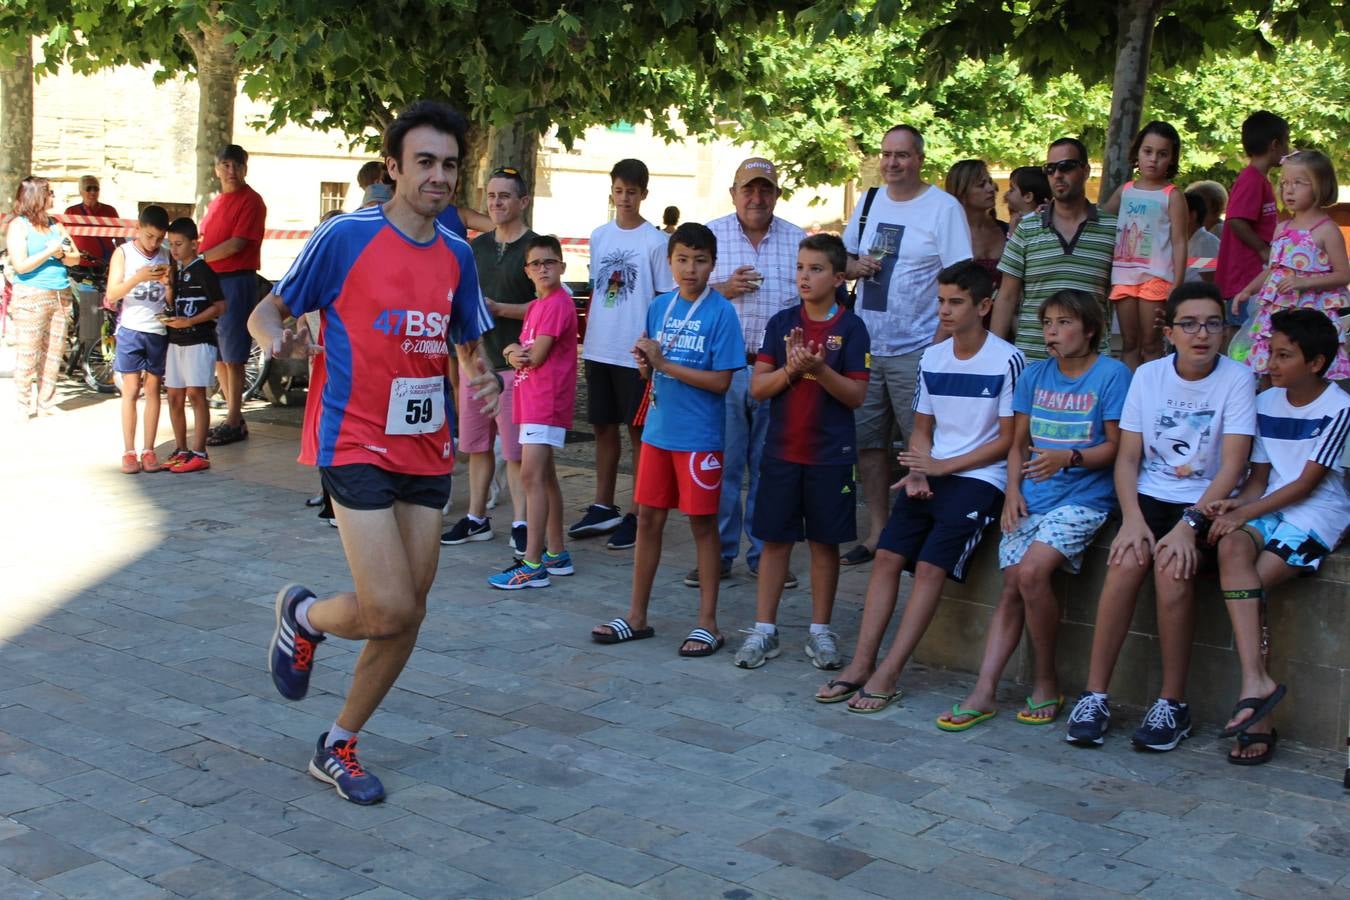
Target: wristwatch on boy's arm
x=1194, y=517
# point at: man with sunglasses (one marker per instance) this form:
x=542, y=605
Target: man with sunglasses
x=1068, y=246
x=95, y=251
x=507, y=290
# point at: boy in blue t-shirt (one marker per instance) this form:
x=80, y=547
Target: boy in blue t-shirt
x=1288, y=516
x=691, y=345
x=1065, y=436
x=813, y=366
x=957, y=461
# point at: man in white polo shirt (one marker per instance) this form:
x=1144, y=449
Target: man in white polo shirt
x=912, y=231
x=757, y=271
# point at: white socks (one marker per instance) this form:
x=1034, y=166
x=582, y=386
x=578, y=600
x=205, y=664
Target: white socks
x=302, y=615
x=338, y=733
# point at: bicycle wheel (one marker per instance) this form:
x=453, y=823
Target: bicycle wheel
x=255, y=371
x=98, y=365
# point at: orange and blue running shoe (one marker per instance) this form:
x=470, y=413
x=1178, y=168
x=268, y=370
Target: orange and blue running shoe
x=337, y=765
x=290, y=653
x=521, y=575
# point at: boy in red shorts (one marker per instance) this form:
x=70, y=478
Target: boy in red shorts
x=691, y=346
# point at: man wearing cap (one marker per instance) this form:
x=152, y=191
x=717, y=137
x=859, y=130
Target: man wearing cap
x=231, y=244
x=507, y=290
x=898, y=239
x=756, y=270
x=95, y=251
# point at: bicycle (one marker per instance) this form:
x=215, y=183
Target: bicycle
x=91, y=339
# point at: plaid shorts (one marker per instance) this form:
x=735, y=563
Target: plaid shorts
x=1065, y=529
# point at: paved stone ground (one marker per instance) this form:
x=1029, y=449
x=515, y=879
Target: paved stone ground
x=143, y=751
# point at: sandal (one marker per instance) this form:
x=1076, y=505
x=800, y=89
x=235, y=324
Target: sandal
x=977, y=716
x=1056, y=702
x=1260, y=706
x=857, y=556
x=850, y=688
x=227, y=434
x=621, y=631
x=711, y=643
x=1245, y=739
x=886, y=700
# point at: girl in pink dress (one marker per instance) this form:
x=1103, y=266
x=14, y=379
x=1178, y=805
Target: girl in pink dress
x=1308, y=266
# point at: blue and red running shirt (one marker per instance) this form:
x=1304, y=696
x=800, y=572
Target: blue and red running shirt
x=806, y=424
x=390, y=307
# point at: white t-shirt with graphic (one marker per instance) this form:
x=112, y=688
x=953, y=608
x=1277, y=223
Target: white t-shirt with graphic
x=967, y=397
x=922, y=236
x=1289, y=437
x=628, y=268
x=1182, y=424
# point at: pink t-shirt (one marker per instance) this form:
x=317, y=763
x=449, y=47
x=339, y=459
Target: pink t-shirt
x=1252, y=199
x=546, y=394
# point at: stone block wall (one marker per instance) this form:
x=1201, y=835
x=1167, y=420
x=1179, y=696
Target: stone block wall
x=1310, y=621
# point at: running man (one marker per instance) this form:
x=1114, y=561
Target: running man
x=393, y=288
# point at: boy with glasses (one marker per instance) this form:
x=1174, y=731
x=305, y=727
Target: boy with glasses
x=1185, y=434
x=1066, y=247
x=545, y=361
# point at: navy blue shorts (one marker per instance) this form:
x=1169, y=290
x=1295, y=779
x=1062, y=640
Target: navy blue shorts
x=363, y=486
x=241, y=295
x=140, y=351
x=945, y=530
x=799, y=502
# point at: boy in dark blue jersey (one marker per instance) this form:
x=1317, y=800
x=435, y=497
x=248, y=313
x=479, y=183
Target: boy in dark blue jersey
x=813, y=367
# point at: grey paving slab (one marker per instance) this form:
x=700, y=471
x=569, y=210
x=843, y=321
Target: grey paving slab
x=101, y=879
x=520, y=757
x=800, y=851
x=35, y=855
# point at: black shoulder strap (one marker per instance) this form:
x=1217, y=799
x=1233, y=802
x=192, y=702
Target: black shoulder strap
x=867, y=207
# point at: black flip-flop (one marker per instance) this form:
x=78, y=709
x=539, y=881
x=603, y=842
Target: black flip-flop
x=712, y=643
x=1261, y=706
x=227, y=434
x=857, y=556
x=850, y=688
x=1245, y=739
x=621, y=631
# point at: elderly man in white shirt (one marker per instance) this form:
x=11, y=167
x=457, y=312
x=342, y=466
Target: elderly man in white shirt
x=757, y=271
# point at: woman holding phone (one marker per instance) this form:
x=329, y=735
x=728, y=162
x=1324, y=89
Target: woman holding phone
x=40, y=248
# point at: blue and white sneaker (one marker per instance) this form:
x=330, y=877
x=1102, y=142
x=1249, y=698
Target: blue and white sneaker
x=290, y=653
x=337, y=765
x=521, y=575
x=1089, y=720
x=560, y=564
x=1167, y=724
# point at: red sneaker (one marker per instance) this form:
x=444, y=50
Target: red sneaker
x=150, y=462
x=194, y=463
x=177, y=459
x=130, y=464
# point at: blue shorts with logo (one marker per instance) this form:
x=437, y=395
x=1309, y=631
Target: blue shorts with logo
x=945, y=529
x=140, y=351
x=1298, y=548
x=810, y=502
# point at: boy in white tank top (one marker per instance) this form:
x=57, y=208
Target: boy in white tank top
x=137, y=275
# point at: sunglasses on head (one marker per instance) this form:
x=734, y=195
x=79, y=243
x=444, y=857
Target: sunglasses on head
x=1064, y=165
x=508, y=171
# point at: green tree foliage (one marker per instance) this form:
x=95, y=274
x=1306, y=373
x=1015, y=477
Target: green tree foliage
x=818, y=109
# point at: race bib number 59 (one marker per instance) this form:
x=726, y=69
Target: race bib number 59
x=416, y=406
